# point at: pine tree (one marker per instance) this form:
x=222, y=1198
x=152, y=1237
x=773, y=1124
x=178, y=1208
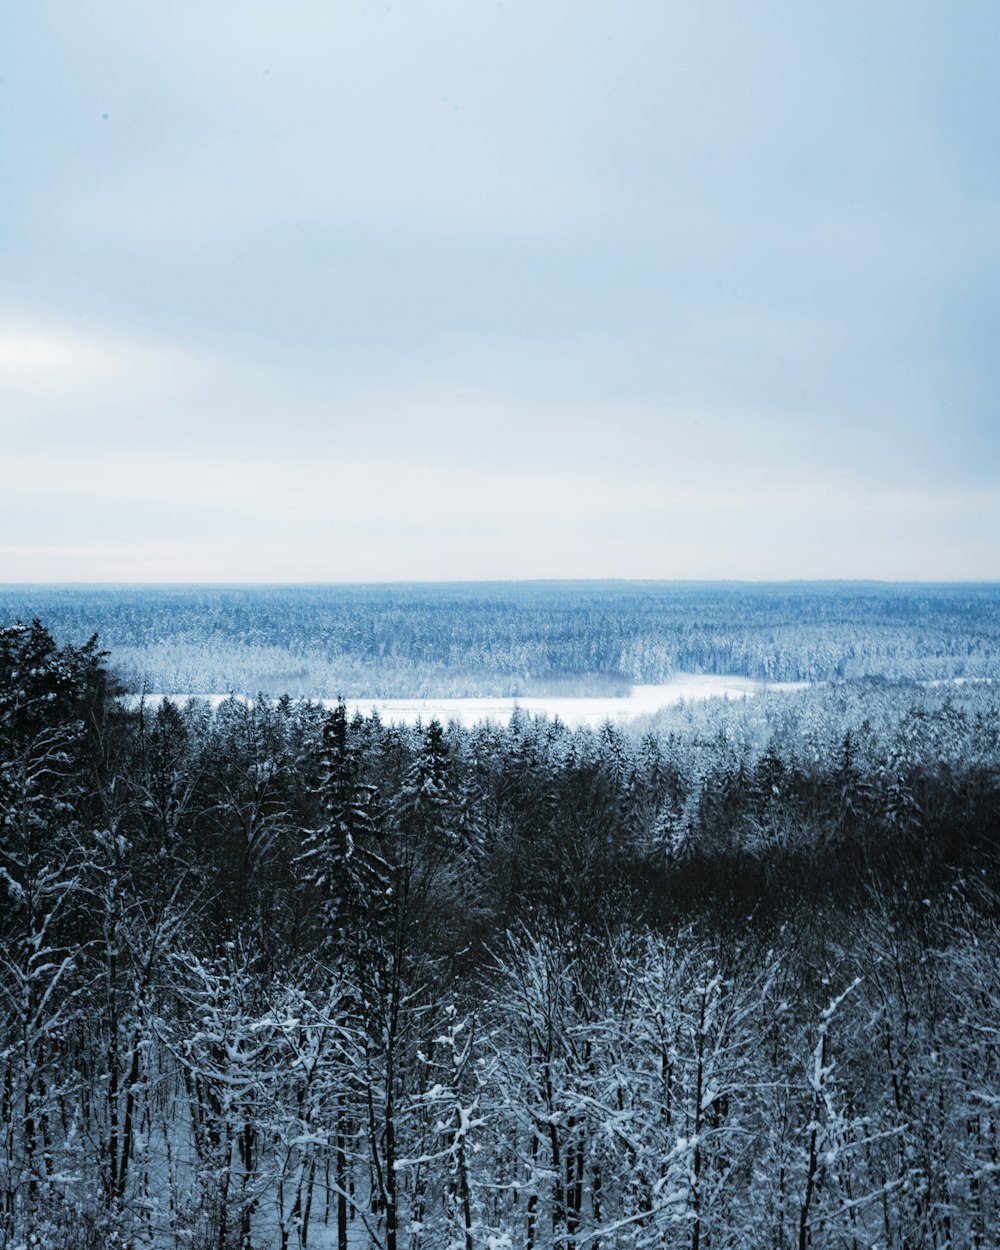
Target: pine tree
x=340, y=855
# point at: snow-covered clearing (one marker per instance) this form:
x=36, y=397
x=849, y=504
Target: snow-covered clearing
x=640, y=701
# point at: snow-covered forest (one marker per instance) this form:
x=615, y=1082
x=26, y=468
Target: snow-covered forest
x=274, y=977
x=519, y=638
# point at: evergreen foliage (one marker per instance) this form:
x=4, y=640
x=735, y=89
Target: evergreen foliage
x=513, y=638
x=271, y=976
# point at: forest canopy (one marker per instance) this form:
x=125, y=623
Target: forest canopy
x=519, y=638
x=276, y=976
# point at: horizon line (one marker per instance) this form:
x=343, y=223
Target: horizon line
x=501, y=581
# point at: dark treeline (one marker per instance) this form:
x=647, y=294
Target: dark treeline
x=274, y=977
x=520, y=638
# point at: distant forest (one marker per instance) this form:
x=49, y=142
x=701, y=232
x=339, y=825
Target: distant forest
x=273, y=977
x=482, y=639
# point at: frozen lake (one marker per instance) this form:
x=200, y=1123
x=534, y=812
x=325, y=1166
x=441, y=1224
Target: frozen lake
x=640, y=701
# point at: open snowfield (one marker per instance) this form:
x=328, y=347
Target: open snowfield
x=640, y=701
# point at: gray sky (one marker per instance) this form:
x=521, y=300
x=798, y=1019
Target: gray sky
x=357, y=291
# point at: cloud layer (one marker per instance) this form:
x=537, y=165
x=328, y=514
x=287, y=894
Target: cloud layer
x=328, y=291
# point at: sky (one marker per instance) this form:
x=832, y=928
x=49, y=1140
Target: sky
x=331, y=290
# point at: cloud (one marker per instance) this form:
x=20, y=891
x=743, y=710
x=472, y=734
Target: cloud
x=526, y=289
x=33, y=361
x=52, y=364
x=362, y=520
x=34, y=549
x=350, y=117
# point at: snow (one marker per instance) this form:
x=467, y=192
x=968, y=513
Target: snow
x=575, y=712
x=640, y=701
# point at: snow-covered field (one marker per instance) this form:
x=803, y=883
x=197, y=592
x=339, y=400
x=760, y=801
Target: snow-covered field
x=640, y=701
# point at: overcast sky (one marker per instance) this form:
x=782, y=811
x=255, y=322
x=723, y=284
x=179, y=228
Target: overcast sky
x=344, y=290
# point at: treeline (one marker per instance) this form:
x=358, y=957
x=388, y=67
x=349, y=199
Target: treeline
x=274, y=977
x=520, y=638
